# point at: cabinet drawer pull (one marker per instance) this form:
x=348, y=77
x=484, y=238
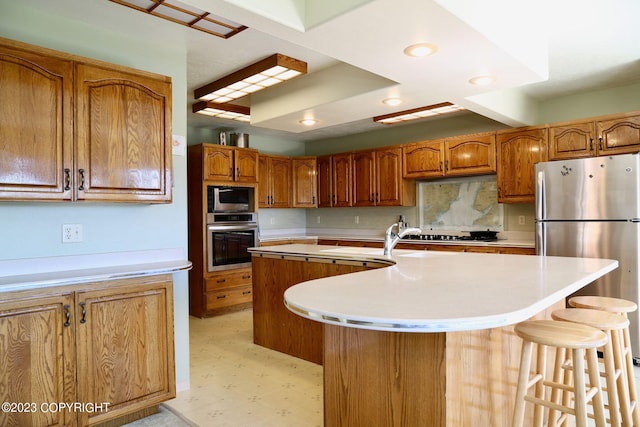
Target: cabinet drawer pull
x=601, y=145
x=590, y=144
x=248, y=276
x=83, y=319
x=67, y=316
x=81, y=172
x=67, y=179
x=221, y=297
x=246, y=292
x=221, y=280
x=238, y=172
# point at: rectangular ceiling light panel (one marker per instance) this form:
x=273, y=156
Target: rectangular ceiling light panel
x=418, y=113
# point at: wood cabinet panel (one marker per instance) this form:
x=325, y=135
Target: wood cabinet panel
x=423, y=159
x=325, y=181
x=37, y=126
x=619, y=135
x=125, y=347
x=364, y=180
x=225, y=298
x=335, y=180
x=572, y=140
x=37, y=363
x=378, y=181
x=123, y=135
x=274, y=189
x=518, y=152
x=228, y=279
x=470, y=155
x=246, y=165
x=305, y=194
x=218, y=163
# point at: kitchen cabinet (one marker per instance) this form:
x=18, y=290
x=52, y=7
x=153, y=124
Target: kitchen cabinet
x=335, y=180
x=619, y=134
x=97, y=342
x=228, y=289
x=518, y=152
x=82, y=129
x=305, y=194
x=378, y=181
x=230, y=164
x=274, y=181
x=457, y=156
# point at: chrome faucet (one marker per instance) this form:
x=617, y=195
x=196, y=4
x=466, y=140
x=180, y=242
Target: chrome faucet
x=391, y=237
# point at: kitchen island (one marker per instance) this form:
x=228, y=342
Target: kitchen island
x=428, y=339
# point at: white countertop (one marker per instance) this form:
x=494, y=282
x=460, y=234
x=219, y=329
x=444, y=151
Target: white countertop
x=434, y=291
x=31, y=273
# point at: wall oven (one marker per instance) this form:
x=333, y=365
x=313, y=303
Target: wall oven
x=229, y=236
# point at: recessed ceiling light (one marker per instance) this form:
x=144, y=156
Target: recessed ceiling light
x=420, y=49
x=308, y=122
x=392, y=102
x=482, y=80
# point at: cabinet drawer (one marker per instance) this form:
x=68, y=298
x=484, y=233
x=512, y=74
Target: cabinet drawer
x=229, y=297
x=228, y=279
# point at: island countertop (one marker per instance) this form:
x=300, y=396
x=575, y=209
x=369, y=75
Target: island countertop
x=434, y=291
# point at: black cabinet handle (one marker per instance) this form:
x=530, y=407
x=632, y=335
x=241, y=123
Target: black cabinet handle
x=221, y=296
x=83, y=319
x=221, y=280
x=601, y=145
x=67, y=316
x=67, y=179
x=590, y=144
x=246, y=292
x=81, y=172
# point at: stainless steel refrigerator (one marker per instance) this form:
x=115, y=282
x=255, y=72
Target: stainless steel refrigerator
x=591, y=208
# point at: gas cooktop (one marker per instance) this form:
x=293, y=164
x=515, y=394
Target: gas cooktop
x=482, y=237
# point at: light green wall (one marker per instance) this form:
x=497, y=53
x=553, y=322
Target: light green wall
x=33, y=229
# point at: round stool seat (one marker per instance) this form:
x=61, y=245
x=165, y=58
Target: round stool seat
x=616, y=305
x=558, y=333
x=596, y=318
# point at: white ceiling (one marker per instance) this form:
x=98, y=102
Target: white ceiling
x=354, y=51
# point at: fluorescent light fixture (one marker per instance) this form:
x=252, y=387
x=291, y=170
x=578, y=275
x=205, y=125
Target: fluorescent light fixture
x=418, y=113
x=482, y=80
x=420, y=49
x=275, y=69
x=184, y=14
x=222, y=111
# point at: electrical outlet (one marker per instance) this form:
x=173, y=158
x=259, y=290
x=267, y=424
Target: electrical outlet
x=71, y=233
x=272, y=221
x=357, y=219
x=318, y=219
x=521, y=220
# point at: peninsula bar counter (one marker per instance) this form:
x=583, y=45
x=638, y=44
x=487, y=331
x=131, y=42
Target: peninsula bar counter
x=428, y=339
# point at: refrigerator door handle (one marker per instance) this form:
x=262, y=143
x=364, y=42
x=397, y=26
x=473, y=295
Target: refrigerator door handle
x=541, y=238
x=540, y=196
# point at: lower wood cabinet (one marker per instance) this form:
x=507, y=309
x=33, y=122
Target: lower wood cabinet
x=108, y=343
x=226, y=291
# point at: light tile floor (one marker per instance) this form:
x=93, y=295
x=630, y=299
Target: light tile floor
x=236, y=383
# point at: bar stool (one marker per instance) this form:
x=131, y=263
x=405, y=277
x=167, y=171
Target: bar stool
x=622, y=307
x=613, y=325
x=581, y=340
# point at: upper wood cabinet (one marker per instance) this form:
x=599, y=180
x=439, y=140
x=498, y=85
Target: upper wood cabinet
x=378, y=181
x=123, y=135
x=305, y=194
x=470, y=154
x=229, y=164
x=335, y=180
x=423, y=159
x=36, y=126
x=121, y=148
x=618, y=134
x=274, y=179
x=518, y=152
x=464, y=155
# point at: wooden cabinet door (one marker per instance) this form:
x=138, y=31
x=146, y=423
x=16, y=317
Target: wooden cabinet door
x=364, y=190
x=325, y=181
x=423, y=159
x=304, y=182
x=37, y=364
x=246, y=165
x=470, y=155
x=572, y=140
x=218, y=163
x=123, y=135
x=619, y=135
x=264, y=181
x=518, y=152
x=280, y=182
x=125, y=346
x=388, y=177
x=36, y=126
x=342, y=177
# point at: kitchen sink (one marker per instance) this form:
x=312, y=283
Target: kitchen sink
x=425, y=254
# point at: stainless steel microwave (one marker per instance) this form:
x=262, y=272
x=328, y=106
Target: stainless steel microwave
x=222, y=199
